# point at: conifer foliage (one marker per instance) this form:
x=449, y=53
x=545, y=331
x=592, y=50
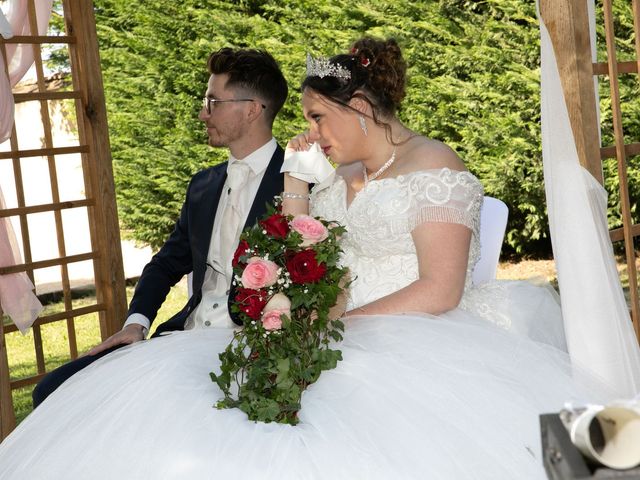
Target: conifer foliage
x=473, y=83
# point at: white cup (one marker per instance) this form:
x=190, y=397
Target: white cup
x=608, y=435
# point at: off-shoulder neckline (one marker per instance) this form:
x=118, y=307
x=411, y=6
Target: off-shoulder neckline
x=416, y=172
x=398, y=178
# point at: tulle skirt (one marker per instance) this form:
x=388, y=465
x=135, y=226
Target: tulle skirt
x=416, y=396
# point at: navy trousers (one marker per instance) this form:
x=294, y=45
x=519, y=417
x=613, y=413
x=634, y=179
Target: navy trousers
x=52, y=380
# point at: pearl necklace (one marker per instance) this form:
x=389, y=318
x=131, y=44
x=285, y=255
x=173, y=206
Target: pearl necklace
x=383, y=168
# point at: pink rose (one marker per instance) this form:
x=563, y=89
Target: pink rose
x=259, y=273
x=271, y=320
x=312, y=230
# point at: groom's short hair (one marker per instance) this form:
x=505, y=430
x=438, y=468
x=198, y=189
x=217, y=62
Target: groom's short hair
x=255, y=71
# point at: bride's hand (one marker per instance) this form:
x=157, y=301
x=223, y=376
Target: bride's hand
x=292, y=205
x=300, y=142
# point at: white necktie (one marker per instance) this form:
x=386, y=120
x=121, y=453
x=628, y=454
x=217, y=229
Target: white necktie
x=237, y=176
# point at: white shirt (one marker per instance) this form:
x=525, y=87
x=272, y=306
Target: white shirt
x=212, y=310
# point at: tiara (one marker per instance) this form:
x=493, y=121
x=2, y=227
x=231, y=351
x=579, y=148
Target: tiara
x=322, y=67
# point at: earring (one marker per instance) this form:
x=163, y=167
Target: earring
x=363, y=125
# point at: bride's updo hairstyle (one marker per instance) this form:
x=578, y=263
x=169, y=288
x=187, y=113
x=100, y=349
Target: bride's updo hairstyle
x=377, y=75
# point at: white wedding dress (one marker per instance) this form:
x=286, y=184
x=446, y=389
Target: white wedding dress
x=455, y=396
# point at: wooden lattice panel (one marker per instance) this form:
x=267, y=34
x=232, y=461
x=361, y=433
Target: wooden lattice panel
x=568, y=24
x=86, y=97
x=620, y=150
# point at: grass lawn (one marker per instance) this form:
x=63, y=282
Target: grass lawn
x=22, y=361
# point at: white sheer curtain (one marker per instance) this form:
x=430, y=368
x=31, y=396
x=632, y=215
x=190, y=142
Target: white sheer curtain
x=16, y=290
x=6, y=97
x=598, y=328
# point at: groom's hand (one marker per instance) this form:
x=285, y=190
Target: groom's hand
x=130, y=334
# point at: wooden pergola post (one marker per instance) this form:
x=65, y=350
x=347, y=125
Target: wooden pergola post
x=7, y=414
x=94, y=131
x=568, y=24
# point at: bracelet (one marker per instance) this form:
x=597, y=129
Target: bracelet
x=297, y=196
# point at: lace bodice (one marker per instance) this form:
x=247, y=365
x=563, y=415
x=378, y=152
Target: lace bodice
x=378, y=247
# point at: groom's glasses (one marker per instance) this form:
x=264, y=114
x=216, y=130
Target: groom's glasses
x=210, y=103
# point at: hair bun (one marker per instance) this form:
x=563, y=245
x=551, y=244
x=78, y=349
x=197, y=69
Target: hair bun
x=386, y=70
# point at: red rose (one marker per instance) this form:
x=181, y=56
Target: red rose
x=304, y=268
x=243, y=246
x=251, y=301
x=276, y=225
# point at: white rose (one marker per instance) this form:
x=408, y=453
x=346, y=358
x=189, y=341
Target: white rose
x=278, y=302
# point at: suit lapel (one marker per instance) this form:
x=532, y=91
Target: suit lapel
x=271, y=185
x=204, y=204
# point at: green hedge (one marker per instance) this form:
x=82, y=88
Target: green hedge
x=474, y=84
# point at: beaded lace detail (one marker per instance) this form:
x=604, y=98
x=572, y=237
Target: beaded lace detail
x=378, y=247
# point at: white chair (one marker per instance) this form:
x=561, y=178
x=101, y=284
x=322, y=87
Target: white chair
x=493, y=224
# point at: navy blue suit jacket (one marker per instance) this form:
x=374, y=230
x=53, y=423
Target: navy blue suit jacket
x=187, y=248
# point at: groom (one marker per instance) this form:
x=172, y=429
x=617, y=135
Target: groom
x=246, y=90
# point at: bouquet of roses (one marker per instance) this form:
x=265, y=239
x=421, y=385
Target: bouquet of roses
x=287, y=280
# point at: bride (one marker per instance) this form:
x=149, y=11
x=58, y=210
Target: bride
x=441, y=379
